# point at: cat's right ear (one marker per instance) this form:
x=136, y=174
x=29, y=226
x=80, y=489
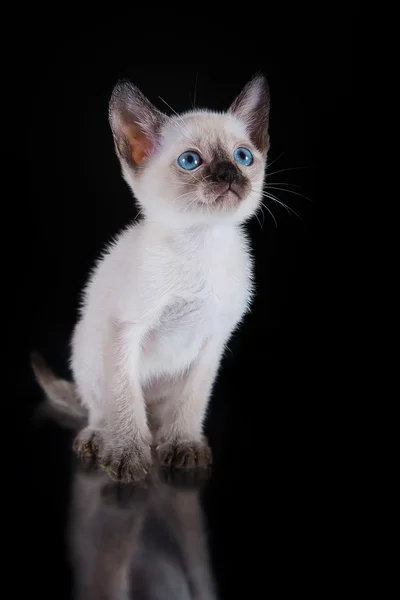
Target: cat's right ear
x=252, y=107
x=135, y=123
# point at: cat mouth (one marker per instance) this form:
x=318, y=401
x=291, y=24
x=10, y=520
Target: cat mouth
x=226, y=193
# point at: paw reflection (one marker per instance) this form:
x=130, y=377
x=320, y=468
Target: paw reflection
x=139, y=540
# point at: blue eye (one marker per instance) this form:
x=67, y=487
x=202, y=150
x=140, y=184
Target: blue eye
x=243, y=156
x=189, y=160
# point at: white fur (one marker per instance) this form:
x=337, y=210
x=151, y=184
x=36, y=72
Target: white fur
x=165, y=298
x=167, y=295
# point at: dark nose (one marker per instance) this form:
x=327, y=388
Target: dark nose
x=225, y=172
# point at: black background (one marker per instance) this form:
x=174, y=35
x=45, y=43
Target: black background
x=65, y=198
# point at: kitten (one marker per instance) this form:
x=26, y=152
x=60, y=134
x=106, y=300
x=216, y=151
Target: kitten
x=164, y=299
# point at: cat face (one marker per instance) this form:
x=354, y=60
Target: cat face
x=197, y=167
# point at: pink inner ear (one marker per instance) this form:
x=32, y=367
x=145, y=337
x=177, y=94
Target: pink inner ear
x=141, y=145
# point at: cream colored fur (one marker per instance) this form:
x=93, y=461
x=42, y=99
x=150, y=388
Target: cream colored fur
x=164, y=299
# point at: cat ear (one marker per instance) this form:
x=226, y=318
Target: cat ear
x=252, y=107
x=135, y=123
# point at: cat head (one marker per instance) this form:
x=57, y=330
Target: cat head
x=197, y=167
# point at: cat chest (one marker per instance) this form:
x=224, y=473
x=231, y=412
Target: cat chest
x=205, y=306
x=184, y=325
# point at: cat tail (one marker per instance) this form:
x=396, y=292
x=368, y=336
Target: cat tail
x=62, y=400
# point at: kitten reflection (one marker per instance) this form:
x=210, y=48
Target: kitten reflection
x=140, y=543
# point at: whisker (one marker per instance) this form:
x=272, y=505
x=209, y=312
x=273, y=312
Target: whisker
x=265, y=194
x=288, y=208
x=169, y=106
x=192, y=202
x=139, y=213
x=274, y=161
x=181, y=128
x=271, y=213
x=290, y=192
x=283, y=183
x=262, y=212
x=195, y=178
x=198, y=180
x=281, y=203
x=284, y=170
x=177, y=114
x=181, y=196
x=261, y=226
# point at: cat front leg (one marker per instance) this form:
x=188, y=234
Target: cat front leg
x=180, y=442
x=127, y=454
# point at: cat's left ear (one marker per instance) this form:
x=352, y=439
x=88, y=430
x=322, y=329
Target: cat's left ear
x=252, y=107
x=135, y=123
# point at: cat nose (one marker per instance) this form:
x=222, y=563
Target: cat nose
x=225, y=172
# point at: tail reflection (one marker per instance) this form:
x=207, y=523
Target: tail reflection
x=142, y=543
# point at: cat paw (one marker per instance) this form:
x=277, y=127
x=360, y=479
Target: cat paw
x=184, y=455
x=88, y=444
x=127, y=464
